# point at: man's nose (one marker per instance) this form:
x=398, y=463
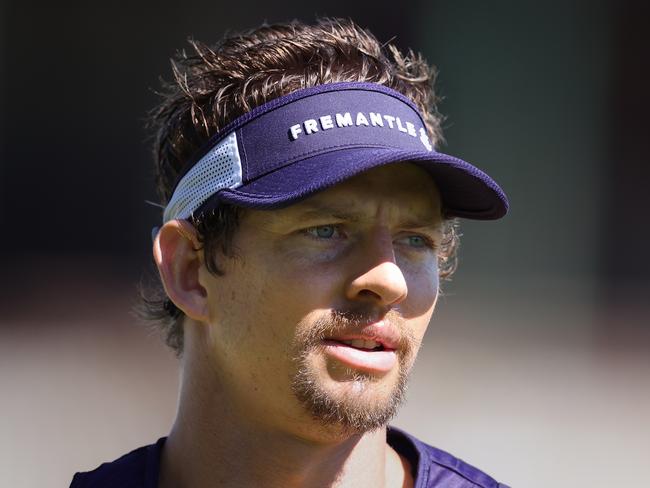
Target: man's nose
x=379, y=278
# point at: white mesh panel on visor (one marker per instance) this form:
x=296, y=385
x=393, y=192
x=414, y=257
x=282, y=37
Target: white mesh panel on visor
x=220, y=168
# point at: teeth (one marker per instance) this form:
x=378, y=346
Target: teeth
x=362, y=344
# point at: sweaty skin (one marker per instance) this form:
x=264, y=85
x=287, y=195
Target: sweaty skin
x=367, y=244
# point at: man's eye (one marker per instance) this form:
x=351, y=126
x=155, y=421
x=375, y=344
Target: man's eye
x=417, y=241
x=323, y=231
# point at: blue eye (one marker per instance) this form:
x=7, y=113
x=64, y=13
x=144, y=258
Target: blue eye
x=417, y=241
x=323, y=231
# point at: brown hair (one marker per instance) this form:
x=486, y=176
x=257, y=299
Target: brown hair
x=214, y=85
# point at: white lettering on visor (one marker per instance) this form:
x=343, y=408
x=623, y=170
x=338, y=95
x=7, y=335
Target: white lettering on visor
x=371, y=119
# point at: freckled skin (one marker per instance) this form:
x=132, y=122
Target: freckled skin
x=285, y=278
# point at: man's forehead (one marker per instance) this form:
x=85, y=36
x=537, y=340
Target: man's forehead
x=387, y=193
x=353, y=210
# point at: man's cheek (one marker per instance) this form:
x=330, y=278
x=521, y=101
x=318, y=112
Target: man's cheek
x=313, y=281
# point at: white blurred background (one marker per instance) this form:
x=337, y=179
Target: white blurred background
x=520, y=383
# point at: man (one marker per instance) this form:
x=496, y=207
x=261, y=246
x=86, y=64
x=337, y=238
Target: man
x=307, y=221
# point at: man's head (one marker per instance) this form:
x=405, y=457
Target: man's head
x=307, y=218
x=214, y=85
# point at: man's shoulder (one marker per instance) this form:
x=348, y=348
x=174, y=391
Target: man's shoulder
x=437, y=468
x=137, y=469
x=458, y=467
x=433, y=467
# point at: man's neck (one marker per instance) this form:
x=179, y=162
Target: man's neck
x=213, y=461
x=212, y=444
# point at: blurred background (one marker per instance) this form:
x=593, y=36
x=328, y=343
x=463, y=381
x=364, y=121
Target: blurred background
x=536, y=367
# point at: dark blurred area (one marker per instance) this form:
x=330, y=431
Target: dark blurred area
x=551, y=98
x=626, y=240
x=78, y=80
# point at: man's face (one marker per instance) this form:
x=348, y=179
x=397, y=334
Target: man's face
x=318, y=318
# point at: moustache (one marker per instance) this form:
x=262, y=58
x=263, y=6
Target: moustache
x=358, y=321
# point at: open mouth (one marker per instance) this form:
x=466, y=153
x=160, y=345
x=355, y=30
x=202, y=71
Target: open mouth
x=362, y=354
x=363, y=345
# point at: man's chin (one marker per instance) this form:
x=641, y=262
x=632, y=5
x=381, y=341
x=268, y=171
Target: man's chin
x=352, y=402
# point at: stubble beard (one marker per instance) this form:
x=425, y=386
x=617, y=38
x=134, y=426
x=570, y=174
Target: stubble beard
x=359, y=406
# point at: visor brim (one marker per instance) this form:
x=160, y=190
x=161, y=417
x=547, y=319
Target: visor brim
x=465, y=190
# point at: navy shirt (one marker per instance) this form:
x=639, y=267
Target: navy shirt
x=432, y=468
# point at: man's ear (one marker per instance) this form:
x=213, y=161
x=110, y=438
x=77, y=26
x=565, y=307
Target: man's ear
x=177, y=252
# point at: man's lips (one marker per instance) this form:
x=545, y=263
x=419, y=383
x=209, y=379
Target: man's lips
x=371, y=348
x=381, y=332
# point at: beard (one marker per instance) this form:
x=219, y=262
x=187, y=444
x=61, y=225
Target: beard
x=359, y=402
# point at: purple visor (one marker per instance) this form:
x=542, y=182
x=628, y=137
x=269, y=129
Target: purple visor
x=314, y=138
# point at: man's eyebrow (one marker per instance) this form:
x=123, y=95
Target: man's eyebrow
x=430, y=224
x=336, y=212
x=314, y=211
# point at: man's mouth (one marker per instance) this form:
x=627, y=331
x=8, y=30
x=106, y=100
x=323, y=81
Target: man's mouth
x=364, y=345
x=364, y=354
